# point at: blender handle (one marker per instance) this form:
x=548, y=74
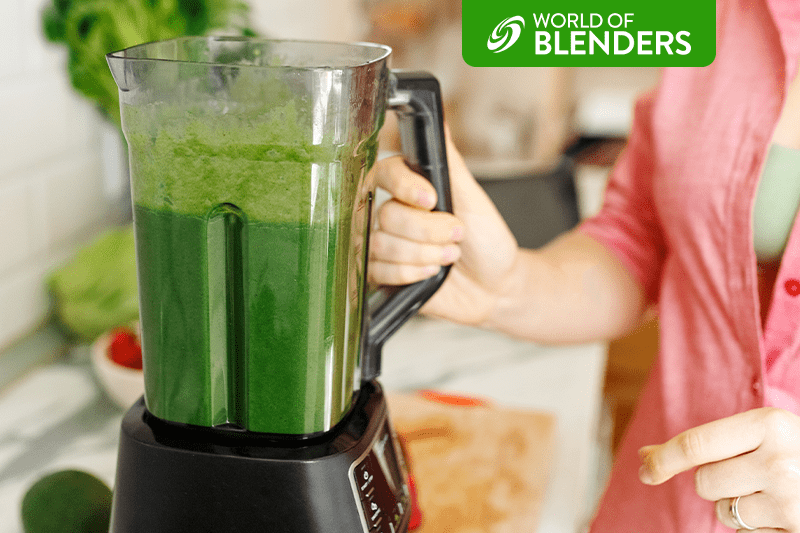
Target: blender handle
x=416, y=99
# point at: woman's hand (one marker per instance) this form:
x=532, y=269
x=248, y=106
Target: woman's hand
x=412, y=243
x=571, y=290
x=753, y=456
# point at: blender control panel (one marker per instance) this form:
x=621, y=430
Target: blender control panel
x=379, y=483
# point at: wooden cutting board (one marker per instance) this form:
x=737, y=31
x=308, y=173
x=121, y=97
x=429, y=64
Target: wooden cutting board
x=477, y=468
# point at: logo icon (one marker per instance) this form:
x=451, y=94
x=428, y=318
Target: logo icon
x=505, y=34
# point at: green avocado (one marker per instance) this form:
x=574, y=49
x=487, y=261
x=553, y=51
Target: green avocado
x=68, y=501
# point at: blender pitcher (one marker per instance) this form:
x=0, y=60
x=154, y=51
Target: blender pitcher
x=252, y=202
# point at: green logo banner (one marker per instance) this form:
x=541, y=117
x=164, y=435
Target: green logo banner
x=588, y=33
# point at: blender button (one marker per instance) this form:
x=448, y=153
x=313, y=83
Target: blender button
x=366, y=483
x=376, y=517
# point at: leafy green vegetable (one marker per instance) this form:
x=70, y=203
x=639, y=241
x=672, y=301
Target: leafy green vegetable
x=92, y=28
x=97, y=290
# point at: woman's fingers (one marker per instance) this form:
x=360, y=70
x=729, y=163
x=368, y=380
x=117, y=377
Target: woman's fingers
x=398, y=261
x=411, y=242
x=405, y=185
x=419, y=225
x=382, y=273
x=391, y=248
x=758, y=511
x=739, y=475
x=715, y=441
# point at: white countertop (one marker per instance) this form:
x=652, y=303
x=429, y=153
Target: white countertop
x=56, y=417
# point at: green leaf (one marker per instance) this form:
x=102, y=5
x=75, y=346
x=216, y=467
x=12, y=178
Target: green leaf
x=53, y=25
x=63, y=6
x=92, y=28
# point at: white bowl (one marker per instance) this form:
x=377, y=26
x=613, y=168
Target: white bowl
x=124, y=385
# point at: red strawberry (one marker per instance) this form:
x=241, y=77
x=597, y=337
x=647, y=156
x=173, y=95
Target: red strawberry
x=125, y=349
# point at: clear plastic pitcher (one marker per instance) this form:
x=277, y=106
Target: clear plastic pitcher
x=252, y=201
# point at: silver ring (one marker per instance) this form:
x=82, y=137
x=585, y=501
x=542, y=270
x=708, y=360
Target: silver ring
x=737, y=519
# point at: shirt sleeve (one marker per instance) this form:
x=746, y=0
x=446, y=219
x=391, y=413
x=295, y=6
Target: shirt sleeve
x=627, y=222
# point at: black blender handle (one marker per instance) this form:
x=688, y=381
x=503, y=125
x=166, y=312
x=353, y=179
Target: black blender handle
x=416, y=98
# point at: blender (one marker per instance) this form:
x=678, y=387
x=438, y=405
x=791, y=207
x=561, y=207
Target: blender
x=252, y=201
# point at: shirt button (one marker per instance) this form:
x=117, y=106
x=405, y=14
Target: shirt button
x=792, y=287
x=772, y=356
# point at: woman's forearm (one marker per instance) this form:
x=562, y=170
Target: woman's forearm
x=572, y=290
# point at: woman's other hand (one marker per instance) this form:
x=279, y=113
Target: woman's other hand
x=751, y=459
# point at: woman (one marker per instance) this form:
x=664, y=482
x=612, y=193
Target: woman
x=715, y=442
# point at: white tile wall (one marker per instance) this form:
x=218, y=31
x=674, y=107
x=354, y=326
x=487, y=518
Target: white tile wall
x=10, y=38
x=52, y=193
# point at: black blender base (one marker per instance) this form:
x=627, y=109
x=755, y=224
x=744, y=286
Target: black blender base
x=175, y=478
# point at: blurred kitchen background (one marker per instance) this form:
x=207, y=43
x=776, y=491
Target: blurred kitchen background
x=540, y=140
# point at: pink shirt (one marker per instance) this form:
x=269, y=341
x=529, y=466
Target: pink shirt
x=678, y=213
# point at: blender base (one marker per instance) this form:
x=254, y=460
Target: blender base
x=174, y=477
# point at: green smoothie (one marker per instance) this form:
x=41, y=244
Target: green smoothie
x=251, y=268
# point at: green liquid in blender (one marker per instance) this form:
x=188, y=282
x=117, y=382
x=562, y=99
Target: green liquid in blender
x=251, y=279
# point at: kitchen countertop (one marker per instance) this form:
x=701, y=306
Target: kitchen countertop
x=56, y=417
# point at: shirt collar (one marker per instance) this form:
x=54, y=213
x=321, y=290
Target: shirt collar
x=786, y=16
